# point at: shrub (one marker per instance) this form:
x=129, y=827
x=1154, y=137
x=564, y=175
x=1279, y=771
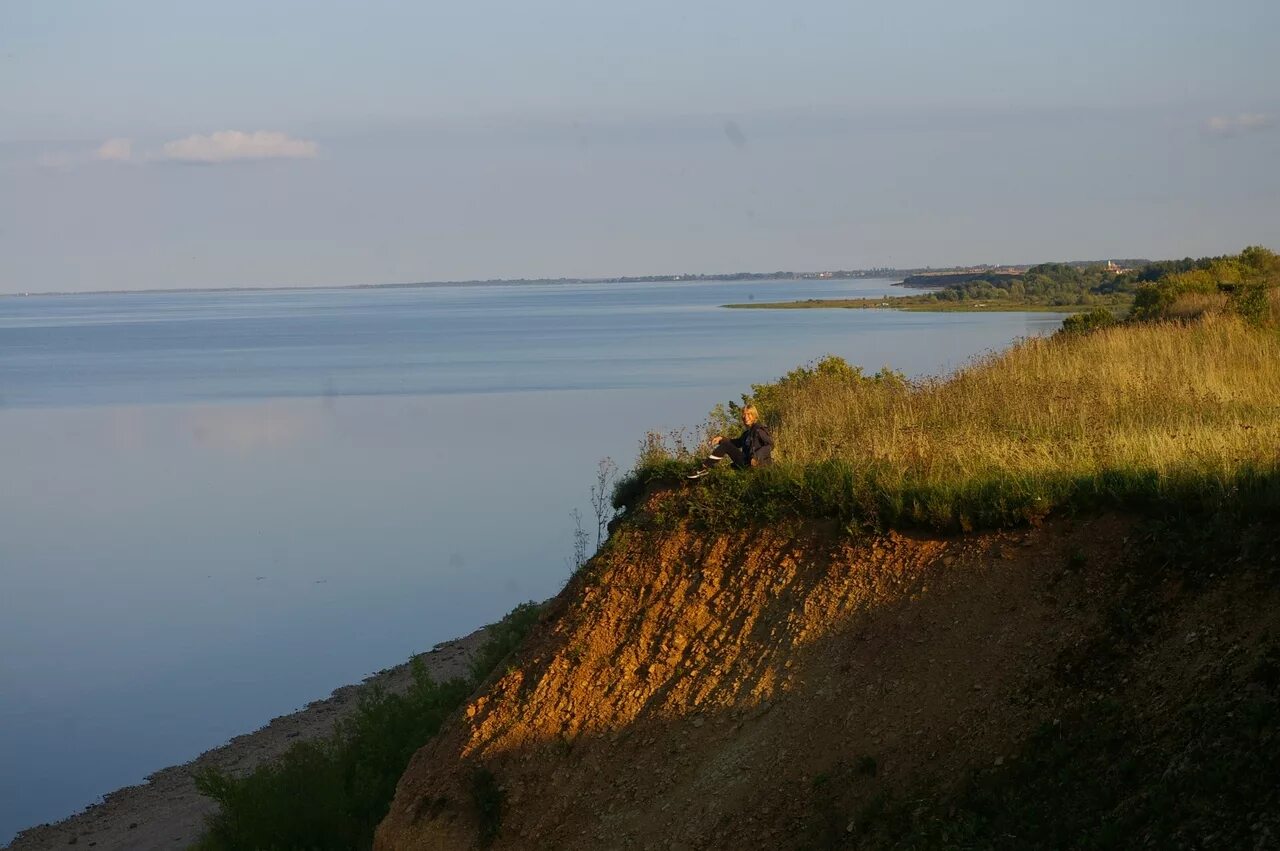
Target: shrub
x=332, y=793
x=1152, y=302
x=1244, y=284
x=503, y=638
x=1252, y=302
x=1080, y=323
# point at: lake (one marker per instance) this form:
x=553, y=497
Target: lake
x=219, y=506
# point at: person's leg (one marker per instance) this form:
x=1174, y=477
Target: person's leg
x=722, y=450
x=725, y=449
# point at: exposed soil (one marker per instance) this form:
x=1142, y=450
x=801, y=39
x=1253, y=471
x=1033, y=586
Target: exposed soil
x=692, y=691
x=167, y=812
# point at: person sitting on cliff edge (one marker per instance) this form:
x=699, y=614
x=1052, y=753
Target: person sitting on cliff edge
x=752, y=448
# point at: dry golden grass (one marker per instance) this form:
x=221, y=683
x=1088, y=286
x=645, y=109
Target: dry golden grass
x=1196, y=305
x=1159, y=397
x=1163, y=413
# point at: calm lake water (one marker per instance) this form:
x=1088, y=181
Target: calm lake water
x=220, y=506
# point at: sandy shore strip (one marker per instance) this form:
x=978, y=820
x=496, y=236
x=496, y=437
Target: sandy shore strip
x=167, y=812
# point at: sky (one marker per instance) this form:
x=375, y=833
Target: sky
x=151, y=144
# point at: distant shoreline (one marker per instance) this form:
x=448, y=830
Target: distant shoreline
x=917, y=304
x=918, y=277
x=873, y=274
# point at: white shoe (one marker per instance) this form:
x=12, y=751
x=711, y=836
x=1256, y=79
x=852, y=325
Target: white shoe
x=699, y=473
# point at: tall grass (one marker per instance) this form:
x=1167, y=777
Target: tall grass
x=1154, y=413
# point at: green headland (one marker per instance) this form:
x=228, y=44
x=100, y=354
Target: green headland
x=1052, y=287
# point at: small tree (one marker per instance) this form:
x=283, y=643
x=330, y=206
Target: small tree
x=601, y=492
x=580, y=538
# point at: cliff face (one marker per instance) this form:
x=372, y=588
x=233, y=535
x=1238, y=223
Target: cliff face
x=771, y=689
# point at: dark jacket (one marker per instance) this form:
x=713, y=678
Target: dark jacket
x=756, y=444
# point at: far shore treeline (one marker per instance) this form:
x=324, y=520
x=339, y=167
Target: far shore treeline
x=1065, y=287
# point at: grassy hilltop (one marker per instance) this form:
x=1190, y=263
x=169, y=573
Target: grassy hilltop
x=1176, y=406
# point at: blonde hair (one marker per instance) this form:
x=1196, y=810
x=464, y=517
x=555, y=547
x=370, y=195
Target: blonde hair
x=752, y=411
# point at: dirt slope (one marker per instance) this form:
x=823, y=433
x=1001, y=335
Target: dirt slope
x=1083, y=684
x=688, y=691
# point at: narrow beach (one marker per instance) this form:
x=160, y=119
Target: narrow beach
x=166, y=812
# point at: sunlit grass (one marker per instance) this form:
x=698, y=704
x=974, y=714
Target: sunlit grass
x=1138, y=413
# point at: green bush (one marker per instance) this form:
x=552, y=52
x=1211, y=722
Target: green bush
x=1082, y=323
x=504, y=637
x=1151, y=302
x=1243, y=284
x=332, y=793
x=1251, y=301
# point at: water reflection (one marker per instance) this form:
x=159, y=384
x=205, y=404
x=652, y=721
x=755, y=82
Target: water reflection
x=394, y=469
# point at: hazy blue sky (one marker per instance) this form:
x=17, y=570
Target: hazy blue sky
x=160, y=144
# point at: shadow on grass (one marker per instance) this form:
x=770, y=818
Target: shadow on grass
x=871, y=497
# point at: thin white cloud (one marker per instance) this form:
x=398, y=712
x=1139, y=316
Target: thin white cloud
x=114, y=150
x=1235, y=125
x=221, y=147
x=235, y=145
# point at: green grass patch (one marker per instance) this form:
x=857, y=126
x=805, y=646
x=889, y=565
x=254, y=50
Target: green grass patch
x=873, y=498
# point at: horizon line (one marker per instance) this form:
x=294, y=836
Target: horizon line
x=886, y=271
